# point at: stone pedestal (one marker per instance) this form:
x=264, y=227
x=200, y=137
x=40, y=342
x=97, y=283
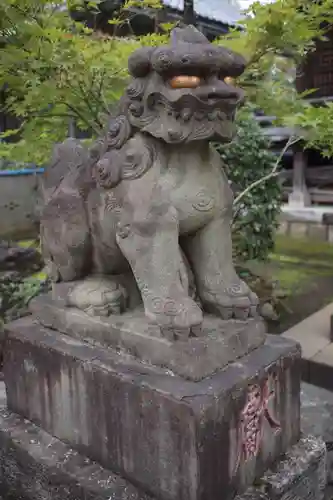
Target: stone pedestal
x=35, y=465
x=171, y=436
x=220, y=341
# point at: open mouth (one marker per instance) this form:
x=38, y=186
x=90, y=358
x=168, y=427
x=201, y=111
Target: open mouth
x=189, y=104
x=213, y=97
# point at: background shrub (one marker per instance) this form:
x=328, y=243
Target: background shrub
x=247, y=158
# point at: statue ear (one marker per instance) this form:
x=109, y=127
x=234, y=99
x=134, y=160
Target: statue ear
x=106, y=172
x=139, y=62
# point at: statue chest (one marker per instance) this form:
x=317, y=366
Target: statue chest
x=197, y=187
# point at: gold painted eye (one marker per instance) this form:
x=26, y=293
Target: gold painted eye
x=185, y=82
x=228, y=80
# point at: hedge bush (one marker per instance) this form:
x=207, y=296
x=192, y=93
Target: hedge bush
x=247, y=158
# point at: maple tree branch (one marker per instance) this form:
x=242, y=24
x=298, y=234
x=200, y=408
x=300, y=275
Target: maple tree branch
x=271, y=174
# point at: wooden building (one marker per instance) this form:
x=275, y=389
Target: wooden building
x=212, y=17
x=309, y=176
x=317, y=71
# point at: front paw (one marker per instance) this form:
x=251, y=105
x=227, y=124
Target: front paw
x=99, y=297
x=233, y=301
x=177, y=317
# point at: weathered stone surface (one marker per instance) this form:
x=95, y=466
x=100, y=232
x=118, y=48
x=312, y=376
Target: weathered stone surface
x=196, y=358
x=316, y=418
x=176, y=438
x=36, y=466
x=301, y=475
x=151, y=198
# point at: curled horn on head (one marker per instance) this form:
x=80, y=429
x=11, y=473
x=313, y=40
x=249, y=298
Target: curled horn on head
x=233, y=63
x=139, y=62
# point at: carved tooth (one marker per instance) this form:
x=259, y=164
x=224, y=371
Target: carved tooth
x=221, y=115
x=186, y=114
x=200, y=115
x=173, y=135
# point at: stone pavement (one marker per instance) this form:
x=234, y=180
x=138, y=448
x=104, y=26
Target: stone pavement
x=314, y=335
x=317, y=419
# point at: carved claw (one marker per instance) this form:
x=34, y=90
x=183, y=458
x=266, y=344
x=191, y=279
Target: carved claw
x=177, y=317
x=104, y=311
x=237, y=301
x=173, y=334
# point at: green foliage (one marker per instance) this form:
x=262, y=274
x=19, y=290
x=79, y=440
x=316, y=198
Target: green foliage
x=56, y=72
x=276, y=38
x=315, y=126
x=16, y=292
x=247, y=160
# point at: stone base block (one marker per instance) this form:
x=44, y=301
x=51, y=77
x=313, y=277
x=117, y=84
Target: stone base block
x=174, y=438
x=220, y=342
x=36, y=466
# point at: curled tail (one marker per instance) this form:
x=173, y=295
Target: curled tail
x=65, y=233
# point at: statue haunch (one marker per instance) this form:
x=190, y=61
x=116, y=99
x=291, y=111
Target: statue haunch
x=148, y=208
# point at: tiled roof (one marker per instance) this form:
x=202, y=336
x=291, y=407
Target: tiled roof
x=174, y=4
x=217, y=10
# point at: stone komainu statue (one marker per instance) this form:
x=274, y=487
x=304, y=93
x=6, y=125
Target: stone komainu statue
x=144, y=216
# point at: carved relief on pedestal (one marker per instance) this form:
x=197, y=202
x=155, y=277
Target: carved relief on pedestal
x=258, y=409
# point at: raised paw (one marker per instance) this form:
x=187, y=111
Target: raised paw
x=99, y=297
x=235, y=301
